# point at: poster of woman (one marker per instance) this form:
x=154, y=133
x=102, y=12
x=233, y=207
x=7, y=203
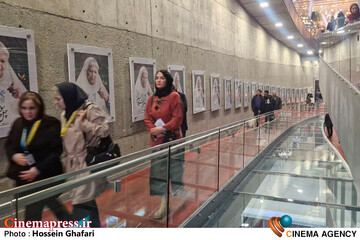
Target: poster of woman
x=288, y=96
x=278, y=92
x=199, y=91
x=253, y=89
x=267, y=87
x=238, y=93
x=283, y=95
x=228, y=92
x=297, y=95
x=261, y=87
x=91, y=68
x=178, y=74
x=17, y=72
x=215, y=92
x=293, y=95
x=247, y=96
x=142, y=78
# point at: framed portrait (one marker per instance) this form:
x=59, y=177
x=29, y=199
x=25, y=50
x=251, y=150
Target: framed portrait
x=288, y=96
x=278, y=91
x=215, y=85
x=302, y=95
x=273, y=89
x=297, y=95
x=91, y=68
x=17, y=72
x=267, y=87
x=306, y=92
x=292, y=95
x=247, y=97
x=228, y=92
x=199, y=91
x=178, y=74
x=142, y=79
x=261, y=87
x=283, y=95
x=253, y=89
x=238, y=89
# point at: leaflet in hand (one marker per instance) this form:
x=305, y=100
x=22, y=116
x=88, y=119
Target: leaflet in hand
x=159, y=123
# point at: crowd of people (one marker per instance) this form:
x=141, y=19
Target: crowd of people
x=341, y=20
x=265, y=104
x=36, y=142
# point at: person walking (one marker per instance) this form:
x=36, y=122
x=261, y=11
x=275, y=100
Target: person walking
x=329, y=125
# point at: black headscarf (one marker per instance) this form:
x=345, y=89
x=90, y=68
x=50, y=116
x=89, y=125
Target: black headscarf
x=168, y=88
x=73, y=97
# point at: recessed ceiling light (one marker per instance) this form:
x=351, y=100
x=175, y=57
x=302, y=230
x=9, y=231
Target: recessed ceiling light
x=300, y=45
x=310, y=52
x=279, y=24
x=290, y=37
x=320, y=51
x=264, y=4
x=300, y=190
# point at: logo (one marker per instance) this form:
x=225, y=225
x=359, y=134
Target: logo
x=277, y=224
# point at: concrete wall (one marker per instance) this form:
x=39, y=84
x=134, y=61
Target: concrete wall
x=217, y=36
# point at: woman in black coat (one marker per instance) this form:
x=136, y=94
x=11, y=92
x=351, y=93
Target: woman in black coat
x=33, y=148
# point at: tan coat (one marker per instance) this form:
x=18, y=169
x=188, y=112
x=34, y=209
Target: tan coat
x=94, y=127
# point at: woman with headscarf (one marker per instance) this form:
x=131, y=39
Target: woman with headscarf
x=216, y=93
x=11, y=88
x=142, y=92
x=340, y=20
x=33, y=148
x=90, y=81
x=164, y=106
x=177, y=82
x=228, y=95
x=354, y=15
x=199, y=95
x=83, y=125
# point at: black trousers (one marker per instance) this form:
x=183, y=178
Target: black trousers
x=33, y=212
x=330, y=131
x=258, y=119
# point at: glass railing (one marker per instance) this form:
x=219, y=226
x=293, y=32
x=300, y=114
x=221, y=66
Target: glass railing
x=178, y=177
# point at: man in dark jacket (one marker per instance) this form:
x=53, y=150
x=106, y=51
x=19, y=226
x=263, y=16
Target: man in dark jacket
x=278, y=102
x=269, y=106
x=329, y=125
x=257, y=105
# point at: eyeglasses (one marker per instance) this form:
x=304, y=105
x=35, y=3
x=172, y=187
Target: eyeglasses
x=158, y=103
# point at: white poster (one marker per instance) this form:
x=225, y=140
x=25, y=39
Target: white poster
x=199, y=91
x=253, y=89
x=293, y=95
x=288, y=95
x=261, y=87
x=178, y=74
x=91, y=68
x=237, y=94
x=267, y=87
x=273, y=89
x=215, y=92
x=247, y=97
x=297, y=95
x=283, y=95
x=142, y=79
x=17, y=72
x=228, y=93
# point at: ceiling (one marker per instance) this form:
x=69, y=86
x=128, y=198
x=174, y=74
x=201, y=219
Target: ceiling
x=276, y=12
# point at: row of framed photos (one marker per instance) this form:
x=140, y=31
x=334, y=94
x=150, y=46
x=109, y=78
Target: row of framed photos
x=92, y=69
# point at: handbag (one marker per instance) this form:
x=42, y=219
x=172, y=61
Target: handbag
x=170, y=136
x=106, y=151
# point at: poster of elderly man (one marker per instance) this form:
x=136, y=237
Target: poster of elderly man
x=91, y=68
x=17, y=72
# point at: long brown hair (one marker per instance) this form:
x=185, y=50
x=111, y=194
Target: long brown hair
x=37, y=100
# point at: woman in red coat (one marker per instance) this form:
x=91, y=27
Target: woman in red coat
x=163, y=118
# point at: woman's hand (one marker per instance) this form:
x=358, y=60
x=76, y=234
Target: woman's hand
x=157, y=131
x=29, y=175
x=81, y=115
x=19, y=159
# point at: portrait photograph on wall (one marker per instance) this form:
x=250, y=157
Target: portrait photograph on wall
x=215, y=92
x=297, y=95
x=278, y=91
x=306, y=92
x=17, y=72
x=273, y=89
x=91, y=68
x=302, y=95
x=247, y=97
x=178, y=74
x=267, y=87
x=288, y=95
x=228, y=93
x=199, y=91
x=237, y=86
x=283, y=95
x=142, y=79
x=253, y=89
x=261, y=87
x=293, y=95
